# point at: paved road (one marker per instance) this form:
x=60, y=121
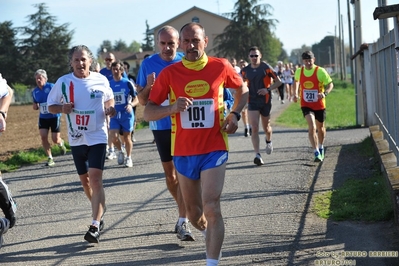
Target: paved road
x=266, y=210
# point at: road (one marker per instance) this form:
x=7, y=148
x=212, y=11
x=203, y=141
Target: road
x=267, y=210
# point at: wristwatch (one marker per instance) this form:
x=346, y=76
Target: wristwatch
x=236, y=114
x=325, y=94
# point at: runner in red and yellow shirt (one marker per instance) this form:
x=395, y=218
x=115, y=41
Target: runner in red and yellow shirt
x=315, y=84
x=194, y=129
x=199, y=129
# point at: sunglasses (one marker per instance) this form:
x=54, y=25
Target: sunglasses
x=108, y=59
x=254, y=55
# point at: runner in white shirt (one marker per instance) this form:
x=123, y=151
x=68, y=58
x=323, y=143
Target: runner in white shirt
x=7, y=204
x=86, y=98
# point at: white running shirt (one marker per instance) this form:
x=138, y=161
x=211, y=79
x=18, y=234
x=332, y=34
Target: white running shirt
x=86, y=124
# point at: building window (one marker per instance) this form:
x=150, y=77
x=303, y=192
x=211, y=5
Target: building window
x=195, y=19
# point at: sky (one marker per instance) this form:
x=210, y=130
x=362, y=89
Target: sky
x=93, y=21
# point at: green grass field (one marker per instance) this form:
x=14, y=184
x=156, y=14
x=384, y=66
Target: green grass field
x=358, y=199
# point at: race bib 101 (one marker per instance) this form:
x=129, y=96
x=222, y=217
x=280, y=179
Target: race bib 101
x=199, y=115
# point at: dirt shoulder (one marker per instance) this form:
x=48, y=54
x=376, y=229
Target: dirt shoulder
x=343, y=161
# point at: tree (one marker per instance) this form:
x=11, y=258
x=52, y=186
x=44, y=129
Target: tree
x=104, y=47
x=120, y=46
x=134, y=47
x=249, y=26
x=324, y=51
x=9, y=55
x=149, y=40
x=46, y=46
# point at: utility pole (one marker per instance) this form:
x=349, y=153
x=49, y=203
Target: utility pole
x=343, y=54
x=383, y=22
x=360, y=106
x=350, y=42
x=340, y=41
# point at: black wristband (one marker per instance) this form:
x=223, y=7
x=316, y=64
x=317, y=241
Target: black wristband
x=325, y=94
x=236, y=114
x=3, y=114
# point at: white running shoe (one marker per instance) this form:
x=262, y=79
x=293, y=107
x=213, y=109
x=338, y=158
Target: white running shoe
x=129, y=162
x=111, y=155
x=121, y=157
x=4, y=225
x=269, y=148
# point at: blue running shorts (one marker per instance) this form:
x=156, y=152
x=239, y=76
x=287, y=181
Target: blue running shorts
x=123, y=121
x=192, y=166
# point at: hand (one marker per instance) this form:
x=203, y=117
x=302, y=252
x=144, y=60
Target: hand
x=129, y=108
x=110, y=111
x=151, y=79
x=263, y=91
x=230, y=124
x=67, y=108
x=2, y=124
x=296, y=98
x=182, y=104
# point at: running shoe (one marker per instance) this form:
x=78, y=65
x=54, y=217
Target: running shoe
x=129, y=162
x=111, y=155
x=4, y=225
x=93, y=235
x=50, y=162
x=250, y=131
x=246, y=132
x=269, y=148
x=258, y=160
x=10, y=213
x=321, y=150
x=63, y=148
x=317, y=157
x=176, y=226
x=121, y=157
x=184, y=232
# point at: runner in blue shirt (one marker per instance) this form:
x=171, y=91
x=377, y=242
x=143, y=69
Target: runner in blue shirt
x=168, y=42
x=47, y=120
x=125, y=97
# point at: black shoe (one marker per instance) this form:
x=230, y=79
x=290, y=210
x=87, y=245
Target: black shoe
x=250, y=131
x=246, y=132
x=258, y=160
x=93, y=235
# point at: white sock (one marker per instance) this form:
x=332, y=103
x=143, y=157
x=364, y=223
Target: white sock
x=182, y=220
x=111, y=150
x=95, y=223
x=211, y=262
x=247, y=126
x=321, y=146
x=50, y=157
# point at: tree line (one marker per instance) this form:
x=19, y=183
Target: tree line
x=44, y=43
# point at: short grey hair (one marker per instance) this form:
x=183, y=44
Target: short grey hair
x=41, y=72
x=168, y=28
